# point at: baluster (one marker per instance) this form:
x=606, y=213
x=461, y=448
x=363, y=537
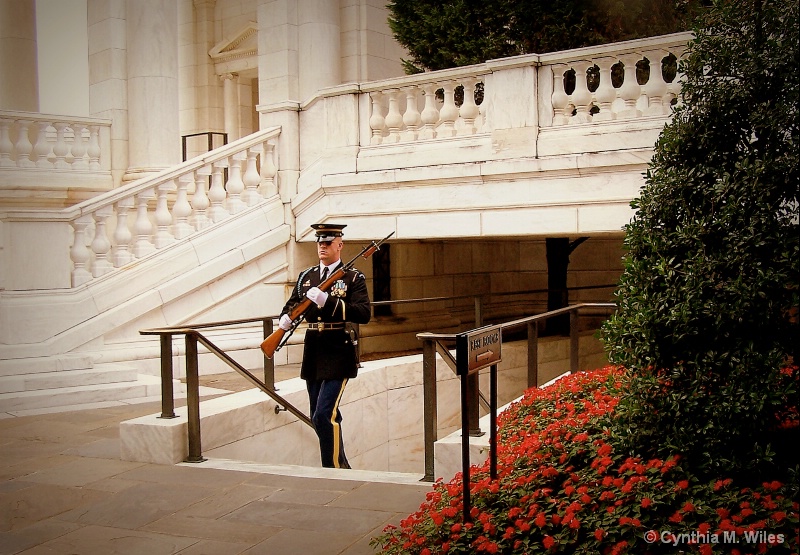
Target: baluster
x=430, y=115
x=268, y=171
x=480, y=121
x=562, y=109
x=216, y=194
x=656, y=87
x=376, y=119
x=674, y=88
x=24, y=146
x=581, y=96
x=449, y=111
x=122, y=234
x=79, y=253
x=142, y=227
x=200, y=202
x=79, y=148
x=6, y=146
x=42, y=149
x=101, y=245
x=394, y=120
x=469, y=110
x=93, y=150
x=251, y=179
x=630, y=91
x=606, y=94
x=163, y=217
x=235, y=185
x=411, y=118
x=181, y=210
x=61, y=148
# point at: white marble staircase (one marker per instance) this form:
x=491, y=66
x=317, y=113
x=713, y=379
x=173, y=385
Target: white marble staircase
x=59, y=384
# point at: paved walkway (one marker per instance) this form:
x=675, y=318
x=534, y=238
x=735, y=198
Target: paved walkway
x=64, y=490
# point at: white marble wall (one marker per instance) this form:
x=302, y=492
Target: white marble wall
x=382, y=411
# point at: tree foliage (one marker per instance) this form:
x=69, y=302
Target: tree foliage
x=440, y=35
x=708, y=298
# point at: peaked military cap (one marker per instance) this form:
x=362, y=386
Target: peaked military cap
x=328, y=232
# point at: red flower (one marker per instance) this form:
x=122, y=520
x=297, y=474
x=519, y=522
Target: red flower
x=548, y=542
x=683, y=484
x=619, y=548
x=599, y=533
x=541, y=520
x=646, y=502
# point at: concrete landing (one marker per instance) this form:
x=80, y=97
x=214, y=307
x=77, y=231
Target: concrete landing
x=63, y=489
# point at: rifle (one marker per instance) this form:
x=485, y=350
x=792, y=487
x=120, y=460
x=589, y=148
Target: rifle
x=277, y=338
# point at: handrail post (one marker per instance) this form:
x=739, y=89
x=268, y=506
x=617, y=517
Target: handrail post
x=473, y=392
x=493, y=422
x=193, y=399
x=269, y=364
x=167, y=396
x=465, y=426
x=429, y=406
x=533, y=354
x=573, y=340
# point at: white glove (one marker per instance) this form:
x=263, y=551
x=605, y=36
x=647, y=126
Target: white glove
x=285, y=323
x=317, y=296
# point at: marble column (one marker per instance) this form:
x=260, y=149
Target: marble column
x=230, y=86
x=152, y=87
x=319, y=45
x=277, y=89
x=19, y=81
x=202, y=95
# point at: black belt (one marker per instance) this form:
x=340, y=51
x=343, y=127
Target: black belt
x=325, y=327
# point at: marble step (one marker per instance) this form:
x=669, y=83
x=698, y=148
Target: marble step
x=36, y=365
x=142, y=386
x=100, y=374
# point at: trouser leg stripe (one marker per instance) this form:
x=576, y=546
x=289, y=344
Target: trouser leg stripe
x=337, y=437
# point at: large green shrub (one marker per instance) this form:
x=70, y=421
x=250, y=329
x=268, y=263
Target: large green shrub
x=711, y=275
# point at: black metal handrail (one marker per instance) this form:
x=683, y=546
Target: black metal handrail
x=441, y=343
x=166, y=333
x=193, y=336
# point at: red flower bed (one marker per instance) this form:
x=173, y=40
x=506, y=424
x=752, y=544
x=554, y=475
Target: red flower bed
x=562, y=488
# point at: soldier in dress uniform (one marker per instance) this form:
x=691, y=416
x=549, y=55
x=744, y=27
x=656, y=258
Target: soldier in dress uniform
x=330, y=355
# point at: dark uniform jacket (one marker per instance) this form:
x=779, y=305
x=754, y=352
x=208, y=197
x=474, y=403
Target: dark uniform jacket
x=331, y=354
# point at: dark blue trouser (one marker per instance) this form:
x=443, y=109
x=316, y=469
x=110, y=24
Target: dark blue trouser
x=324, y=397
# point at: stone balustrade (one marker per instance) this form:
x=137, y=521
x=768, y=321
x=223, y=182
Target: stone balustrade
x=31, y=140
x=427, y=106
x=108, y=232
x=621, y=81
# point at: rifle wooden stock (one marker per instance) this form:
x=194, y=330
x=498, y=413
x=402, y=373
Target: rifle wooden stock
x=270, y=344
x=273, y=342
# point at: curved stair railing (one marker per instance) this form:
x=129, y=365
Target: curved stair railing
x=103, y=234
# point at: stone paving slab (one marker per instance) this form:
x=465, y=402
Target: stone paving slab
x=64, y=490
